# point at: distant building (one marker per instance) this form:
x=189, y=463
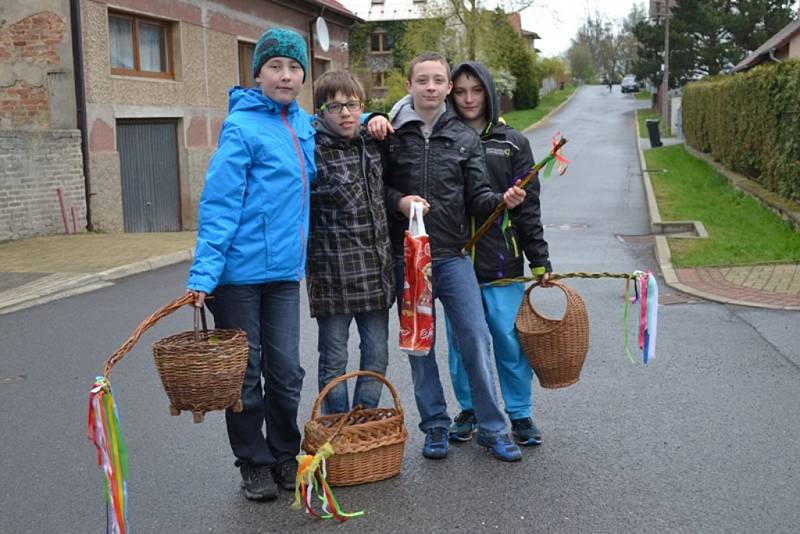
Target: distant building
x=782, y=46
x=139, y=108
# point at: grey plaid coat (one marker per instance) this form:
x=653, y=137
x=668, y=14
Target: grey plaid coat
x=350, y=266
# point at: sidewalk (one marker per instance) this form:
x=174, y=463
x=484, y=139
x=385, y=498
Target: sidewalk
x=40, y=269
x=775, y=286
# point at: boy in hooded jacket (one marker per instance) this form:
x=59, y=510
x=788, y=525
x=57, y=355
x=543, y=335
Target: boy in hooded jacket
x=499, y=254
x=434, y=158
x=350, y=264
x=251, y=252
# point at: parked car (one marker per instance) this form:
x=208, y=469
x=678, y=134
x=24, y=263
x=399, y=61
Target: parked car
x=629, y=84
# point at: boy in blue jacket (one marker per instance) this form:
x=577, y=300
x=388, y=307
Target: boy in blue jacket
x=251, y=253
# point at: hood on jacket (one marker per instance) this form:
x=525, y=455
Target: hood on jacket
x=479, y=71
x=251, y=99
x=403, y=112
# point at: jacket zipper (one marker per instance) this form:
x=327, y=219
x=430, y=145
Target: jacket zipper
x=425, y=169
x=299, y=153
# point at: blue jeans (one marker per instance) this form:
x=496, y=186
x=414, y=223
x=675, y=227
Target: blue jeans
x=334, y=330
x=270, y=315
x=455, y=285
x=513, y=370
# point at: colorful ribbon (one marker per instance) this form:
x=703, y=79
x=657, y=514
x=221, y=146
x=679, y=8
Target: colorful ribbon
x=103, y=430
x=646, y=289
x=311, y=477
x=555, y=158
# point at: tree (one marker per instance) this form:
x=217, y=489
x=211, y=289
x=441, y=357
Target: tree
x=580, y=63
x=708, y=36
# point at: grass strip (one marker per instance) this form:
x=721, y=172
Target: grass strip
x=643, y=114
x=741, y=231
x=523, y=118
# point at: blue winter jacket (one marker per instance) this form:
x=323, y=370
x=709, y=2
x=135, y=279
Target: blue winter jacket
x=253, y=215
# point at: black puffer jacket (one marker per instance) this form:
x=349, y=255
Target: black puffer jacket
x=447, y=169
x=498, y=254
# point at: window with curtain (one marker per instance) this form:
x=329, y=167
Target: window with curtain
x=139, y=46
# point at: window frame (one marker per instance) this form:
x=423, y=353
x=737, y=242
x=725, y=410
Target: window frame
x=381, y=35
x=245, y=68
x=379, y=79
x=136, y=71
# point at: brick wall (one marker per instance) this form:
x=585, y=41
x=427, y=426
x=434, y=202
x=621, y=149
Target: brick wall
x=32, y=165
x=28, y=49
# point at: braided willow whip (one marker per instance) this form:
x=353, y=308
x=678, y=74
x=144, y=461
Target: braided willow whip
x=502, y=206
x=558, y=276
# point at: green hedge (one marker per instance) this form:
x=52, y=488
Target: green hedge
x=751, y=123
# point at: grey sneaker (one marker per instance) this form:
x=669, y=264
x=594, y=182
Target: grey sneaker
x=257, y=482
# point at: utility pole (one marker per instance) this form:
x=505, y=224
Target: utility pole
x=665, y=96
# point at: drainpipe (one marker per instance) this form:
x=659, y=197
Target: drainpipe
x=80, y=102
x=772, y=55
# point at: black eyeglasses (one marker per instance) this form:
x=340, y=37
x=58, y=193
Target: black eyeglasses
x=337, y=107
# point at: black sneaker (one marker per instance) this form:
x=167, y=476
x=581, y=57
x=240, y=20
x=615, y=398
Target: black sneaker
x=464, y=426
x=525, y=432
x=285, y=474
x=257, y=483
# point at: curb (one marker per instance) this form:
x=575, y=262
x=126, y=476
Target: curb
x=662, y=252
x=88, y=282
x=552, y=112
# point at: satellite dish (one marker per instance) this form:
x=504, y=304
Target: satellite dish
x=323, y=37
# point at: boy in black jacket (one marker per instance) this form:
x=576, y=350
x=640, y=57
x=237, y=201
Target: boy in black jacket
x=434, y=158
x=498, y=254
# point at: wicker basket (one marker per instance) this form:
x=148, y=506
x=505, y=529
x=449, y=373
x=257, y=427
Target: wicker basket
x=200, y=371
x=368, y=445
x=556, y=349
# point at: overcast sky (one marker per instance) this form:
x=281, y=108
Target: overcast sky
x=557, y=21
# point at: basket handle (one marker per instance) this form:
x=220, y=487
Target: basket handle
x=351, y=374
x=567, y=293
x=145, y=325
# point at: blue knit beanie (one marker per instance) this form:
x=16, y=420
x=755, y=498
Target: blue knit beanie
x=280, y=42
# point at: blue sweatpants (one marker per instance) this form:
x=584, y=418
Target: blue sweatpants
x=500, y=303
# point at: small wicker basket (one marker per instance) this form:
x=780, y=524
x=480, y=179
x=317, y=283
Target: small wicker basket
x=368, y=446
x=200, y=371
x=555, y=348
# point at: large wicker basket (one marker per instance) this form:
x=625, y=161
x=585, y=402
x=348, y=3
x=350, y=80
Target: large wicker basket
x=555, y=348
x=368, y=446
x=201, y=371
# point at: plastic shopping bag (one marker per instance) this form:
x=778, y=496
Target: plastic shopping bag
x=416, y=307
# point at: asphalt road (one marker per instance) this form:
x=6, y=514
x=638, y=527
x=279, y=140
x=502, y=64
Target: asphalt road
x=704, y=439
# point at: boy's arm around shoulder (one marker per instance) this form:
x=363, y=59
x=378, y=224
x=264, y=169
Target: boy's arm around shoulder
x=220, y=208
x=527, y=217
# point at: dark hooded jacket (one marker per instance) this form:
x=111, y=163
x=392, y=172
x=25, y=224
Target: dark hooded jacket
x=447, y=169
x=498, y=253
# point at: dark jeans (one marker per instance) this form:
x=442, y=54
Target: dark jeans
x=373, y=328
x=270, y=315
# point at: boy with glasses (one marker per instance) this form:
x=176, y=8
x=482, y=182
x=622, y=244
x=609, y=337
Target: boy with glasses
x=350, y=267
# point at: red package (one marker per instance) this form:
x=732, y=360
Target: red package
x=416, y=307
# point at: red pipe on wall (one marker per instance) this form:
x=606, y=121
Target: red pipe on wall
x=60, y=193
